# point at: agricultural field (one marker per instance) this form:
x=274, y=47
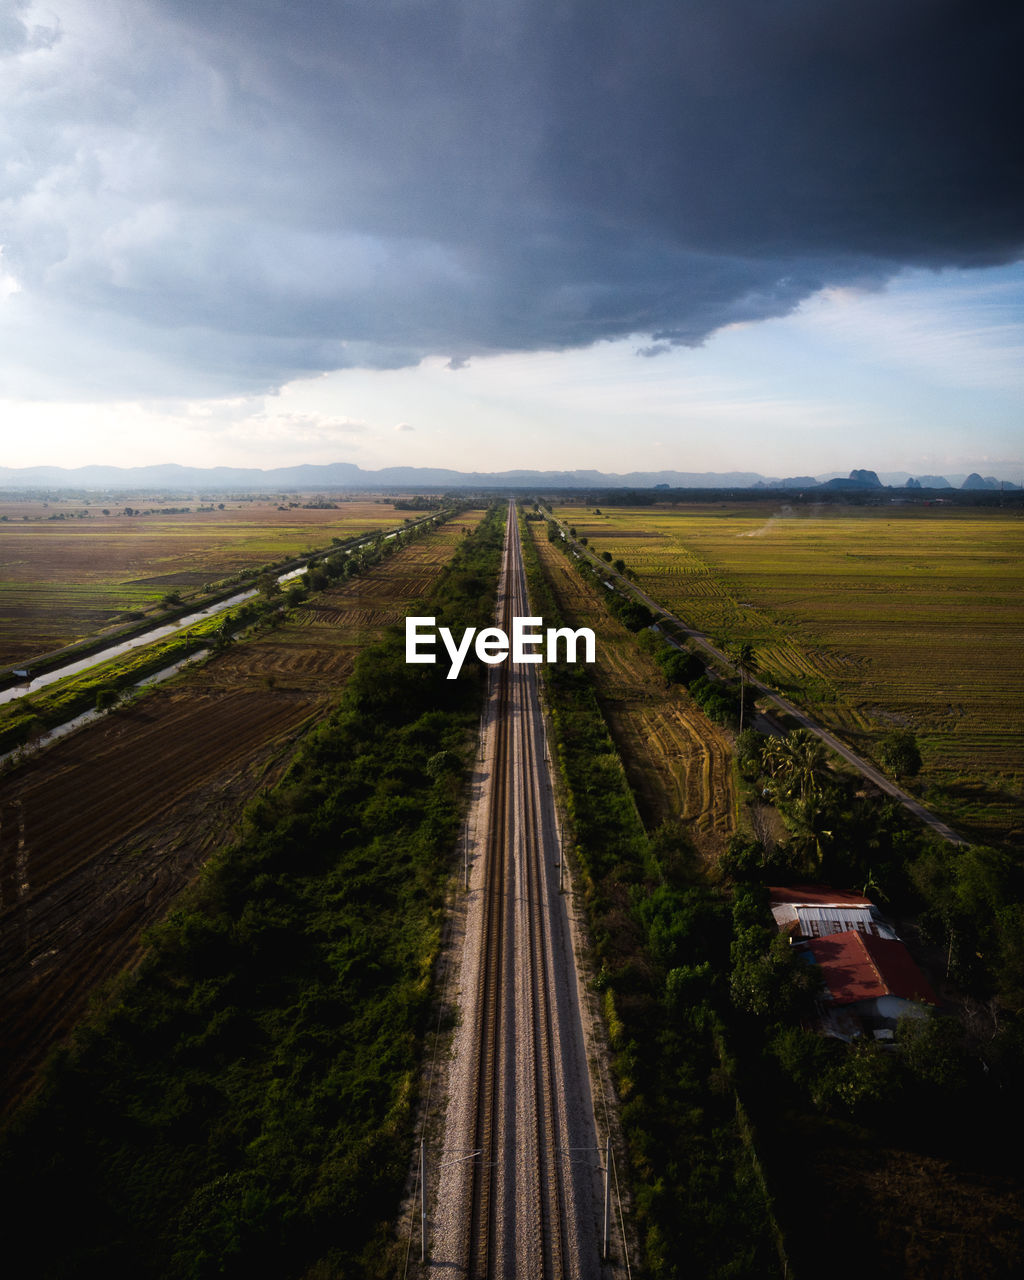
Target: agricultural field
x=871, y=618
x=70, y=568
x=678, y=763
x=100, y=832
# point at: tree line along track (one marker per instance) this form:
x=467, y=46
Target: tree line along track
x=678, y=762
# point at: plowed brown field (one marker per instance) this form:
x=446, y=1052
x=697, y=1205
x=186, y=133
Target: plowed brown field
x=101, y=831
x=678, y=762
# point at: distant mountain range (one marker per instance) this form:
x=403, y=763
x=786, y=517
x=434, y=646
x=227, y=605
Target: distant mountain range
x=347, y=476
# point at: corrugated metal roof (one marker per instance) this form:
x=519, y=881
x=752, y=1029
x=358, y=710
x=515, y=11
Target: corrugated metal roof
x=805, y=921
x=858, y=966
x=815, y=895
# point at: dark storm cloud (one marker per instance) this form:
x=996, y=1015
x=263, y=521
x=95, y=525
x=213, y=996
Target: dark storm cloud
x=310, y=185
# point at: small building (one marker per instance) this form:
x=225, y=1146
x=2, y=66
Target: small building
x=870, y=979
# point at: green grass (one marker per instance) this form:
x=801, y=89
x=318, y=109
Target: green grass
x=871, y=618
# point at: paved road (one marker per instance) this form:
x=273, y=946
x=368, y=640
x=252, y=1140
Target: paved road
x=866, y=769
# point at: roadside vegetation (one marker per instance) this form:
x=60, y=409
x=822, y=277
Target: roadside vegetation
x=242, y=1103
x=677, y=761
x=99, y=831
x=909, y=1150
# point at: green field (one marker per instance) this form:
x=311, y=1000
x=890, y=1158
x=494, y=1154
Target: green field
x=872, y=618
x=68, y=569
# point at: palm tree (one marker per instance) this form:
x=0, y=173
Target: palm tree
x=812, y=834
x=799, y=763
x=746, y=661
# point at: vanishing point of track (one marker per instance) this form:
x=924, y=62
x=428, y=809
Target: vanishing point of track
x=514, y=743
x=520, y=1198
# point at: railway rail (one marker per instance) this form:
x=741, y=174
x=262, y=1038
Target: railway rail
x=520, y=1186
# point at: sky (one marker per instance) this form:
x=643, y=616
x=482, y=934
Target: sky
x=699, y=235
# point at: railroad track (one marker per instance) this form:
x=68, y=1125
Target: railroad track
x=527, y=1207
x=491, y=998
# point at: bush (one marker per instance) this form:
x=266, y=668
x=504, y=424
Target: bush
x=679, y=666
x=900, y=755
x=933, y=1050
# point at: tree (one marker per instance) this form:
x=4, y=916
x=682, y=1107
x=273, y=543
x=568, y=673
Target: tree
x=933, y=1049
x=749, y=744
x=106, y=698
x=900, y=755
x=444, y=764
x=867, y=1076
x=798, y=762
x=812, y=827
x=679, y=666
x=633, y=615
x=805, y=1056
x=770, y=981
x=222, y=637
x=746, y=661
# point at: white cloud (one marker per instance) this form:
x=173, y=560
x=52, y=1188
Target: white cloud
x=301, y=436
x=8, y=284
x=955, y=330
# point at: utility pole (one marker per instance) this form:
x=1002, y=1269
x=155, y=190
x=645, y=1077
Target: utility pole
x=607, y=1196
x=423, y=1202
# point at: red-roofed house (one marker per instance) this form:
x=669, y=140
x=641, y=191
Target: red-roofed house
x=870, y=978
x=872, y=982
